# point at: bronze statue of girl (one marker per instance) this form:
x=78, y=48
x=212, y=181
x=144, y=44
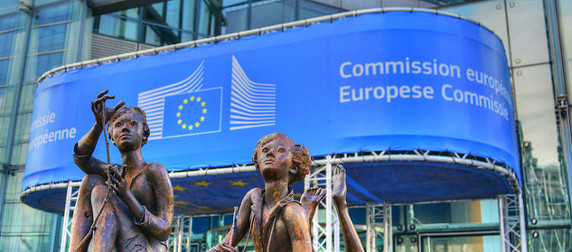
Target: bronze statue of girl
x=137, y=215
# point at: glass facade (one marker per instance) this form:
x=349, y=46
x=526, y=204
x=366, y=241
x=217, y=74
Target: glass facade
x=36, y=36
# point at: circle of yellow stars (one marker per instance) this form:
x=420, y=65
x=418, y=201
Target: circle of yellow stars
x=197, y=124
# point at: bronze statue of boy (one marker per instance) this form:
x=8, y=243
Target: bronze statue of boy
x=136, y=214
x=270, y=215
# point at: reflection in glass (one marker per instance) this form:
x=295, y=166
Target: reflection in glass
x=156, y=35
x=51, y=38
x=236, y=19
x=4, y=64
x=566, y=33
x=547, y=198
x=527, y=27
x=53, y=14
x=117, y=27
x=8, y=22
x=268, y=13
x=487, y=243
x=5, y=46
x=550, y=240
x=46, y=62
x=310, y=9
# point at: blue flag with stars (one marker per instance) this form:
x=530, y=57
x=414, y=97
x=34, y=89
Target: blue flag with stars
x=192, y=113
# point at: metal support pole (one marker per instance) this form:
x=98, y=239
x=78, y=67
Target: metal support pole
x=387, y=228
x=325, y=236
x=521, y=217
x=512, y=223
x=378, y=221
x=72, y=194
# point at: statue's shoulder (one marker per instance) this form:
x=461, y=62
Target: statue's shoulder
x=156, y=169
x=255, y=193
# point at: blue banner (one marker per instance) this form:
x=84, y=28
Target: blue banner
x=399, y=81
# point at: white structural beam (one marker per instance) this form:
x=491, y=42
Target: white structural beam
x=325, y=235
x=378, y=226
x=512, y=223
x=71, y=199
x=181, y=233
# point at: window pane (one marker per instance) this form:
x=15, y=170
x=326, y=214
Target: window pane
x=566, y=29
x=309, y=9
x=462, y=243
x=51, y=37
x=156, y=35
x=173, y=13
x=271, y=13
x=4, y=65
x=6, y=103
x=528, y=38
x=550, y=240
x=236, y=19
x=544, y=177
x=19, y=153
x=205, y=20
x=5, y=45
x=27, y=99
x=117, y=27
x=23, y=127
x=4, y=124
x=7, y=23
x=188, y=19
x=53, y=14
x=46, y=62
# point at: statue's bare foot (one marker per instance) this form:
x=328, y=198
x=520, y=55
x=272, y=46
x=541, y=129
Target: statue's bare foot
x=339, y=188
x=310, y=200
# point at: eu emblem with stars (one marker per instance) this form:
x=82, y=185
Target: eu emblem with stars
x=192, y=113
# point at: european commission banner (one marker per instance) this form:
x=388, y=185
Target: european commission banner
x=398, y=80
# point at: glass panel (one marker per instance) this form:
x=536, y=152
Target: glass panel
x=6, y=103
x=19, y=153
x=527, y=27
x=566, y=29
x=173, y=13
x=155, y=13
x=488, y=243
x=233, y=2
x=5, y=46
x=159, y=36
x=23, y=127
x=46, y=62
x=236, y=19
x=454, y=216
x=131, y=13
x=27, y=98
x=205, y=21
x=491, y=14
x=53, y=14
x=4, y=65
x=270, y=13
x=550, y=240
x=8, y=22
x=4, y=124
x=51, y=38
x=116, y=27
x=3, y=158
x=547, y=199
x=43, y=2
x=188, y=18
x=309, y=9
x=8, y=4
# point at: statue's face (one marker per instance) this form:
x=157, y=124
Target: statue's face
x=127, y=132
x=274, y=158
